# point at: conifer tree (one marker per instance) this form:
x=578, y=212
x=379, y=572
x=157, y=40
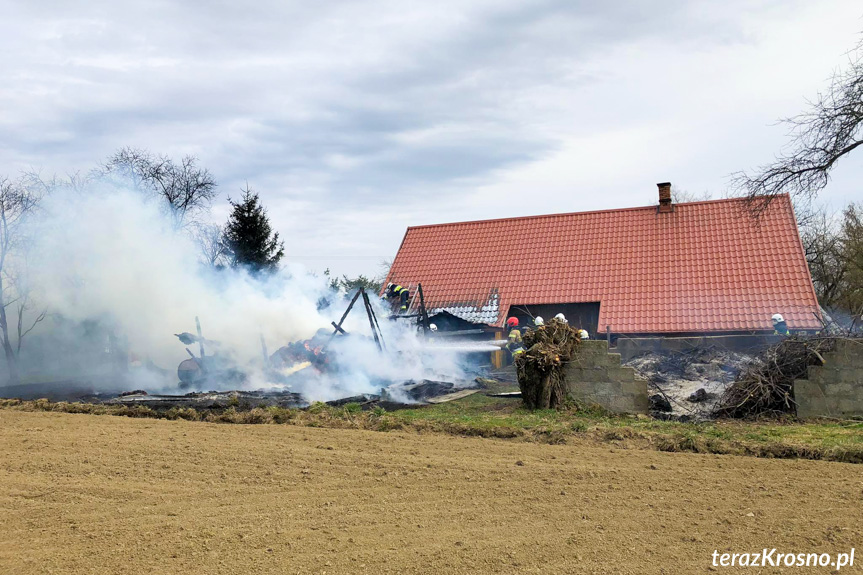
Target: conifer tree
x=249, y=238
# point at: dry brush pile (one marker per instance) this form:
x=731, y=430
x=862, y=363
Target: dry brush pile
x=548, y=349
x=766, y=387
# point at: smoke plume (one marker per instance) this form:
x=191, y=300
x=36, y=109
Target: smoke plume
x=108, y=266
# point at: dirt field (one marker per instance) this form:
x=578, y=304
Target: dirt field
x=101, y=494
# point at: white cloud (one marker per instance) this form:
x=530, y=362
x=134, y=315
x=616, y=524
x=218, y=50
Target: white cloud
x=356, y=119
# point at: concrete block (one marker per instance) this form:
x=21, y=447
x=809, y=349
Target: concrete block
x=586, y=387
x=592, y=349
x=620, y=373
x=612, y=387
x=850, y=351
x=807, y=387
x=574, y=372
x=847, y=406
x=595, y=360
x=813, y=409
x=632, y=388
x=641, y=404
x=612, y=359
x=579, y=395
x=839, y=389
x=593, y=345
x=619, y=404
x=815, y=373
x=837, y=374
x=835, y=388
x=810, y=399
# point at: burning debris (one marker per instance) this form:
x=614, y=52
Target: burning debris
x=326, y=357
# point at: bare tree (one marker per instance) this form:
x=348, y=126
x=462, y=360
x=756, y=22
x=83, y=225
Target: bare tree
x=822, y=242
x=852, y=237
x=210, y=239
x=185, y=188
x=680, y=195
x=830, y=129
x=17, y=202
x=834, y=251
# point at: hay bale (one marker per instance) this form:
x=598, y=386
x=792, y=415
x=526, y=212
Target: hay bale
x=766, y=386
x=548, y=349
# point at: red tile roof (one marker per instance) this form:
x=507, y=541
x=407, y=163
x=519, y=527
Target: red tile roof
x=705, y=267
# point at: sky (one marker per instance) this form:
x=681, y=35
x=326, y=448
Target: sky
x=354, y=120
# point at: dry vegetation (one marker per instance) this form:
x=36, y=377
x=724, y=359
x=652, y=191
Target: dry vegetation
x=481, y=416
x=548, y=349
x=766, y=387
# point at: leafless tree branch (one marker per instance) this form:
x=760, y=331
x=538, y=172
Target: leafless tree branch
x=17, y=200
x=185, y=188
x=831, y=129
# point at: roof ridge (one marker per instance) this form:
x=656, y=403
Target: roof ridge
x=588, y=212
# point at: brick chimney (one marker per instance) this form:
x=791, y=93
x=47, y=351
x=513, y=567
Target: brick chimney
x=665, y=204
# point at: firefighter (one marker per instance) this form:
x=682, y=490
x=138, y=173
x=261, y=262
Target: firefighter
x=398, y=293
x=514, y=343
x=779, y=325
x=538, y=322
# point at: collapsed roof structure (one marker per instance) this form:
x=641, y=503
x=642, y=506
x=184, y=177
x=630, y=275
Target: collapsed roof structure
x=670, y=269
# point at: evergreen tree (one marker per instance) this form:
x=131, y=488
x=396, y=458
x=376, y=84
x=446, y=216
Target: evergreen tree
x=249, y=239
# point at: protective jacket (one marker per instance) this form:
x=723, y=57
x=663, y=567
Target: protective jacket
x=401, y=293
x=514, y=343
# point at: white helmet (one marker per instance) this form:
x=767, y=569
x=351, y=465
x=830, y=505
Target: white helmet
x=582, y=334
x=561, y=317
x=538, y=321
x=777, y=318
x=432, y=327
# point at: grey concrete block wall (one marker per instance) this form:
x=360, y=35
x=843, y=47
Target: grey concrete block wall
x=596, y=376
x=632, y=347
x=836, y=388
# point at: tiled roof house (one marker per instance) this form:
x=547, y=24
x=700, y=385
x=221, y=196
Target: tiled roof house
x=689, y=268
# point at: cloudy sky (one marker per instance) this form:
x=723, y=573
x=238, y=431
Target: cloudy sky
x=356, y=119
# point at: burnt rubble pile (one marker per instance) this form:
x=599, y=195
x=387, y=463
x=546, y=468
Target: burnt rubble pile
x=689, y=382
x=403, y=393
x=211, y=399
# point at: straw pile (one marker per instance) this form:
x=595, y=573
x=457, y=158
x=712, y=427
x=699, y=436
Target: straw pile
x=766, y=386
x=540, y=368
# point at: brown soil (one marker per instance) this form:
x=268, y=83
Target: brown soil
x=90, y=494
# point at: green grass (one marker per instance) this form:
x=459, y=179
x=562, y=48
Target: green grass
x=480, y=415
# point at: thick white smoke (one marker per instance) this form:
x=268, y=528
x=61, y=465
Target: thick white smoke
x=109, y=254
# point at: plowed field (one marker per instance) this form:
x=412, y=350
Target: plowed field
x=101, y=494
